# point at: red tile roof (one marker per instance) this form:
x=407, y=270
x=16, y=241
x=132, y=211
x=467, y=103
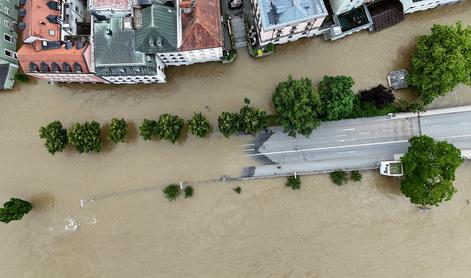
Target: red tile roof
x=28, y=54
x=202, y=27
x=36, y=21
x=110, y=4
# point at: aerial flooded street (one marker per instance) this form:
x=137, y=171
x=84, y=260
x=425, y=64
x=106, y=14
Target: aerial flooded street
x=365, y=229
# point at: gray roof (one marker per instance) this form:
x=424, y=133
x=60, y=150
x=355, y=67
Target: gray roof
x=115, y=52
x=159, y=28
x=279, y=13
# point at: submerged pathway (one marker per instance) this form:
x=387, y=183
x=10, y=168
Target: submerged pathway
x=358, y=143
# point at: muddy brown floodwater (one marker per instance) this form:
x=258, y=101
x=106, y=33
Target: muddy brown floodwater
x=360, y=230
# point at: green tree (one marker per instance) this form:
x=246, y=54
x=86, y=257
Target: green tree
x=252, y=119
x=188, y=191
x=356, y=176
x=228, y=123
x=336, y=97
x=147, y=129
x=441, y=61
x=118, y=130
x=169, y=127
x=294, y=182
x=85, y=137
x=298, y=105
x=339, y=177
x=171, y=192
x=14, y=209
x=199, y=125
x=55, y=137
x=429, y=170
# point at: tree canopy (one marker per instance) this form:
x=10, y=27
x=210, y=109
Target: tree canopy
x=441, y=61
x=171, y=192
x=429, y=170
x=298, y=105
x=86, y=137
x=199, y=125
x=228, y=123
x=169, y=127
x=251, y=119
x=380, y=96
x=118, y=130
x=336, y=97
x=14, y=209
x=55, y=137
x=148, y=129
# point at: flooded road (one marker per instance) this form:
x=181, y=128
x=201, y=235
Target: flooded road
x=360, y=230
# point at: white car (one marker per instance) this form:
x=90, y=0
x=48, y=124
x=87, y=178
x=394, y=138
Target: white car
x=391, y=168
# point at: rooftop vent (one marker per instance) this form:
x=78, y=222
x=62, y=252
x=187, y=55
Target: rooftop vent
x=22, y=12
x=53, y=5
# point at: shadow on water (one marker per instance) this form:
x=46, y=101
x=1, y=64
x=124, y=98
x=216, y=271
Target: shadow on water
x=43, y=201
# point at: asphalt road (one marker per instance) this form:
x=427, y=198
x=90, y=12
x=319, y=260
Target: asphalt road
x=357, y=144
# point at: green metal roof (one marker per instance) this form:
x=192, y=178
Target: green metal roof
x=159, y=28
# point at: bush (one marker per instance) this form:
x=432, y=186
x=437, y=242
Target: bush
x=228, y=123
x=298, y=106
x=14, y=209
x=169, y=127
x=252, y=119
x=199, y=125
x=368, y=109
x=294, y=182
x=380, y=96
x=336, y=97
x=118, y=130
x=237, y=189
x=171, y=192
x=85, y=137
x=188, y=192
x=148, y=129
x=55, y=137
x=339, y=177
x=356, y=176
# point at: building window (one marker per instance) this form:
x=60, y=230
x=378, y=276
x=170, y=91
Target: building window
x=6, y=23
x=7, y=10
x=9, y=53
x=8, y=38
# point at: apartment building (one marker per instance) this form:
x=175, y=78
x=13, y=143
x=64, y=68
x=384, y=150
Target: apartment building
x=56, y=41
x=281, y=21
x=8, y=58
x=411, y=6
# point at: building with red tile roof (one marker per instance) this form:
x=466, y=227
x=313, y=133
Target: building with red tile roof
x=52, y=50
x=201, y=28
x=200, y=33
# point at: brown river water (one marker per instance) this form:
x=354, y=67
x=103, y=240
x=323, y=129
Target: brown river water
x=360, y=230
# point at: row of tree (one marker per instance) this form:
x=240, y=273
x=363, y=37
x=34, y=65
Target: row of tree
x=301, y=108
x=86, y=137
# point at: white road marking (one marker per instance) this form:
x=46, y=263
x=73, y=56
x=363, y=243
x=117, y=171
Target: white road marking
x=341, y=135
x=364, y=133
x=347, y=129
x=463, y=123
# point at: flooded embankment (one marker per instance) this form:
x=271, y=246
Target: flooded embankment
x=360, y=230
